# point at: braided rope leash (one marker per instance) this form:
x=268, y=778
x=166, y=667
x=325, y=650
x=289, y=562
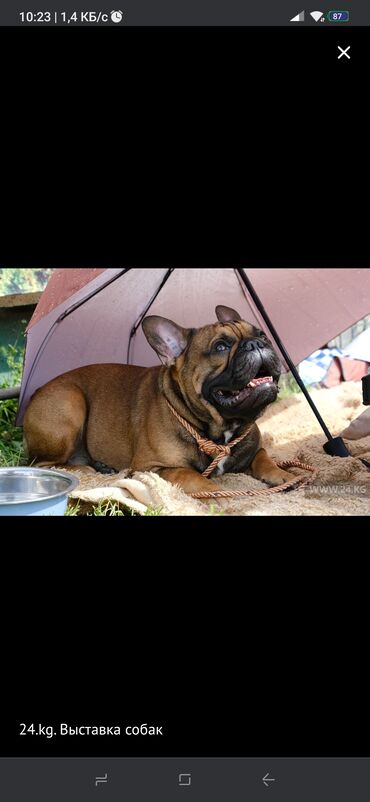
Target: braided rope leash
x=297, y=482
x=220, y=452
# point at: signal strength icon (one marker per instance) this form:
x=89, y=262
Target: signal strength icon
x=298, y=17
x=316, y=15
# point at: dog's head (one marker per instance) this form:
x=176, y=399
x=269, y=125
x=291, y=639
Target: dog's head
x=229, y=367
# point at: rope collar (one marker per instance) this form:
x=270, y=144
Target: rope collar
x=219, y=452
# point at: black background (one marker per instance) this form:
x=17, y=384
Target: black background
x=240, y=636
x=183, y=145
x=194, y=146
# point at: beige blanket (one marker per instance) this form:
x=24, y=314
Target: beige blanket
x=290, y=431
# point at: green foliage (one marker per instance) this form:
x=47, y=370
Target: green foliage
x=11, y=437
x=13, y=355
x=110, y=509
x=214, y=510
x=107, y=508
x=23, y=279
x=73, y=510
x=11, y=453
x=288, y=386
x=154, y=511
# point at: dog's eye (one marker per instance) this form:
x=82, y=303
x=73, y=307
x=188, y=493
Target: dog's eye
x=221, y=346
x=261, y=334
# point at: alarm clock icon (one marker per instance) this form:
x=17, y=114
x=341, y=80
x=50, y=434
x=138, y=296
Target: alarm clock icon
x=116, y=16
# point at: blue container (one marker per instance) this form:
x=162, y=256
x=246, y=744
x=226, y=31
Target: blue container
x=35, y=491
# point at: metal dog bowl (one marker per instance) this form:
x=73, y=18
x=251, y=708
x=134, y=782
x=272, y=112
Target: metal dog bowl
x=34, y=491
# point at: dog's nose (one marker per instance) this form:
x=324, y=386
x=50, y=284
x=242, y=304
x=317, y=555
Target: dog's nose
x=251, y=345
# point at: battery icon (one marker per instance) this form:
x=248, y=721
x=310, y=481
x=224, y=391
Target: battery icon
x=338, y=16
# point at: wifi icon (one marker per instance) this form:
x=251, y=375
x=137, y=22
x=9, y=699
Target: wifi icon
x=316, y=15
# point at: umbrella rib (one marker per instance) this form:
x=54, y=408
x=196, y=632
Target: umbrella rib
x=256, y=299
x=146, y=310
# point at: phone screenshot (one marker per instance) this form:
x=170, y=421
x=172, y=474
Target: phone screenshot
x=185, y=353
x=104, y=404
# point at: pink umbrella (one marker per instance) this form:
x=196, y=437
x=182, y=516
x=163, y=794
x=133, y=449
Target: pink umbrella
x=94, y=315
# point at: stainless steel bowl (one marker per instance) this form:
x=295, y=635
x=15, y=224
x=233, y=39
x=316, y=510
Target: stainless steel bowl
x=34, y=491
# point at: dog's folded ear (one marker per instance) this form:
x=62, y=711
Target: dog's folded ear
x=167, y=338
x=226, y=315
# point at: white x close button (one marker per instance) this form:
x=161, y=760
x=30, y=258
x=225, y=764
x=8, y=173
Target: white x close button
x=344, y=52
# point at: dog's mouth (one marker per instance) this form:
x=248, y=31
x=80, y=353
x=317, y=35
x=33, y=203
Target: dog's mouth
x=232, y=398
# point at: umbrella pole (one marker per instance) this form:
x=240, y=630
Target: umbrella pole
x=335, y=446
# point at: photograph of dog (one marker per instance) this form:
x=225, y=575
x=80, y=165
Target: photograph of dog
x=189, y=420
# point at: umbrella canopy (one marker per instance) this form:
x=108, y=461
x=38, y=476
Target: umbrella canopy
x=88, y=316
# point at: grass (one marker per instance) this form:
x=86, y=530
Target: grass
x=106, y=508
x=215, y=511
x=289, y=387
x=11, y=437
x=110, y=509
x=11, y=455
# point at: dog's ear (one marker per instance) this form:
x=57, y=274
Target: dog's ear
x=167, y=338
x=226, y=315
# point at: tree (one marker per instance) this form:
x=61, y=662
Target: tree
x=24, y=279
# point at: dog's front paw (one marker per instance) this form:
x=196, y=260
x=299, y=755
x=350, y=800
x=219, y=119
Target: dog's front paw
x=278, y=477
x=101, y=467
